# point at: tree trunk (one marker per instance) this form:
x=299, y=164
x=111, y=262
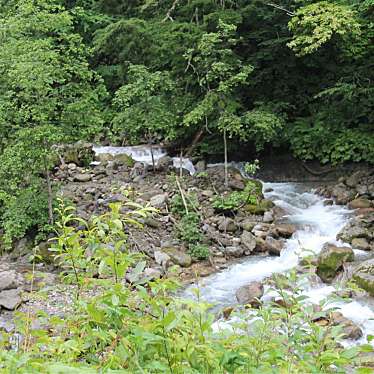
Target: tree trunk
x=50, y=195
x=226, y=163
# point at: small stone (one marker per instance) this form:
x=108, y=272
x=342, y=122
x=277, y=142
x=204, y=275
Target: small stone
x=161, y=258
x=178, y=256
x=227, y=225
x=82, y=177
x=247, y=224
x=328, y=202
x=284, y=230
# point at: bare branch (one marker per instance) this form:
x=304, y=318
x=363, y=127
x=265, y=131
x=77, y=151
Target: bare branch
x=170, y=11
x=288, y=12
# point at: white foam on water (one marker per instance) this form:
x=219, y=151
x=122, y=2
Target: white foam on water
x=317, y=224
x=143, y=153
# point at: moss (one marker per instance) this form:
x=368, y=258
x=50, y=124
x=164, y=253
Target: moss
x=125, y=160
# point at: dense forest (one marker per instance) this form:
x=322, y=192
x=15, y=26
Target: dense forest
x=291, y=75
x=206, y=79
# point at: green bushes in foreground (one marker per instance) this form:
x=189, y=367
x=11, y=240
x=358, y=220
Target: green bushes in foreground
x=142, y=327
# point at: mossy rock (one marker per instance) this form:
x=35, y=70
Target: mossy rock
x=125, y=159
x=260, y=208
x=331, y=260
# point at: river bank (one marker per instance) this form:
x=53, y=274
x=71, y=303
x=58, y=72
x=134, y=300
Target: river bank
x=245, y=247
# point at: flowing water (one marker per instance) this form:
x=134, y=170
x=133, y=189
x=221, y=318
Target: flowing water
x=316, y=224
x=143, y=153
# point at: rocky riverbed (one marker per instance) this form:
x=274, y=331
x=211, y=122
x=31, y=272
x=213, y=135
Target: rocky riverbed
x=255, y=231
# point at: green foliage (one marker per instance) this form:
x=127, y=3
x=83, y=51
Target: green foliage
x=143, y=106
x=126, y=326
x=199, y=251
x=315, y=24
x=233, y=201
x=188, y=228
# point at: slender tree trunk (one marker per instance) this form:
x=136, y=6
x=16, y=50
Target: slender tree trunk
x=50, y=195
x=153, y=157
x=226, y=163
x=180, y=164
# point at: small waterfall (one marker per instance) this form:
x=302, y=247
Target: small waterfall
x=143, y=153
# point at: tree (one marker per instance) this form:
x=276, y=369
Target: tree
x=144, y=107
x=219, y=72
x=48, y=94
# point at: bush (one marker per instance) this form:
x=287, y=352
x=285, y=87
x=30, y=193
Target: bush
x=199, y=251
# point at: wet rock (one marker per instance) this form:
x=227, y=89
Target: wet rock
x=274, y=246
x=359, y=227
x=10, y=279
x=283, y=230
x=234, y=251
x=350, y=330
x=363, y=274
x=361, y=243
x=342, y=194
x=178, y=256
x=158, y=201
x=82, y=177
x=354, y=179
x=227, y=225
x=268, y=217
x=359, y=203
x=10, y=299
x=248, y=240
x=328, y=202
x=250, y=293
x=331, y=260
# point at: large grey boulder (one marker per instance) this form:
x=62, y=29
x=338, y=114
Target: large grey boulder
x=250, y=293
x=331, y=260
x=10, y=279
x=10, y=299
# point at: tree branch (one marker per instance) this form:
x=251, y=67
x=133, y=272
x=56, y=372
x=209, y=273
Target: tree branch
x=170, y=11
x=288, y=12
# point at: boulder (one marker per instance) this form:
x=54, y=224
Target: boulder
x=158, y=201
x=237, y=185
x=261, y=245
x=161, y=258
x=250, y=293
x=363, y=274
x=124, y=159
x=164, y=163
x=358, y=228
x=178, y=256
x=328, y=202
x=248, y=240
x=10, y=299
x=283, y=230
x=350, y=330
x=234, y=251
x=227, y=225
x=10, y=279
x=359, y=203
x=200, y=166
x=342, y=194
x=331, y=260
x=268, y=217
x=274, y=246
x=361, y=243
